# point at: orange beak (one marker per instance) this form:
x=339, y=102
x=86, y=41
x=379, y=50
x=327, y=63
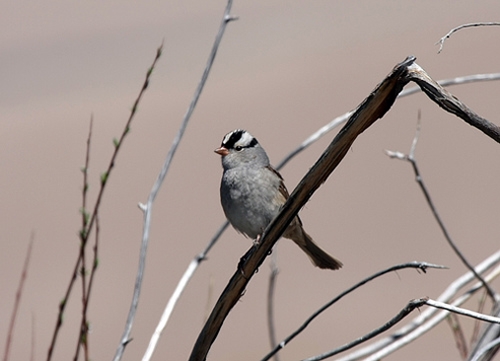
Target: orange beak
x=222, y=151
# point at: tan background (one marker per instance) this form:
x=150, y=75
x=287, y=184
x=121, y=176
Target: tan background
x=284, y=69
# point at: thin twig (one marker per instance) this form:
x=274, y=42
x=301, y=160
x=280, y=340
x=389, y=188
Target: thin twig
x=429, y=318
x=411, y=158
x=84, y=325
x=458, y=334
x=451, y=103
x=463, y=311
x=417, y=303
x=148, y=207
x=186, y=277
x=33, y=338
x=17, y=302
x=417, y=265
x=477, y=325
x=484, y=345
x=463, y=26
x=406, y=92
x=315, y=137
x=85, y=188
x=419, y=179
x=486, y=349
x=403, y=313
x=273, y=276
x=85, y=233
x=82, y=335
x=459, y=80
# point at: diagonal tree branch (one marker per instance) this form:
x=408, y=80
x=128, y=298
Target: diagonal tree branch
x=371, y=109
x=450, y=103
x=194, y=264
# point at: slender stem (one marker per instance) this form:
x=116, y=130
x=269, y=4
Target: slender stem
x=447, y=236
x=181, y=285
x=273, y=276
x=417, y=303
x=17, y=302
x=84, y=233
x=419, y=179
x=462, y=311
x=428, y=318
x=418, y=265
x=148, y=208
x=450, y=241
x=463, y=26
x=82, y=335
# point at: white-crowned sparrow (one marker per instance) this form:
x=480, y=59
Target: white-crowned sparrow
x=252, y=193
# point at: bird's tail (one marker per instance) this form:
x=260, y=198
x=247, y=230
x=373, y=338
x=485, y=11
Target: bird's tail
x=320, y=258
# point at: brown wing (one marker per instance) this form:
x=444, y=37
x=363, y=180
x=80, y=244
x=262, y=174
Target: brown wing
x=283, y=190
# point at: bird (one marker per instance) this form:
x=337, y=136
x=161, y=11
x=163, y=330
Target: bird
x=252, y=193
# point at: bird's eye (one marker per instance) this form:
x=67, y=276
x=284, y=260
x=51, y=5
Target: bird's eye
x=238, y=148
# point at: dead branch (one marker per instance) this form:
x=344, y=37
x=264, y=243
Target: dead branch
x=375, y=106
x=417, y=303
x=463, y=26
x=423, y=266
x=458, y=334
x=450, y=103
x=463, y=311
x=24, y=275
x=369, y=111
x=273, y=276
x=420, y=180
x=147, y=208
x=430, y=317
x=488, y=343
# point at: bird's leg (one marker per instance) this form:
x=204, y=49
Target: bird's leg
x=256, y=241
x=243, y=260
x=240, y=265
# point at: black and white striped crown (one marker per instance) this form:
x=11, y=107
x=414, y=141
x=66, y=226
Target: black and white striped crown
x=239, y=139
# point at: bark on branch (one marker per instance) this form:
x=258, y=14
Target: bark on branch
x=370, y=110
x=450, y=103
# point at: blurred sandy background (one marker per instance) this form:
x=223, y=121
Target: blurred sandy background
x=284, y=69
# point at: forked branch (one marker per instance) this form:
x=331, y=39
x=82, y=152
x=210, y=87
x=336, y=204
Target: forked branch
x=370, y=110
x=463, y=26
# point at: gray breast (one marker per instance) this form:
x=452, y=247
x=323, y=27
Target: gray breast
x=248, y=199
